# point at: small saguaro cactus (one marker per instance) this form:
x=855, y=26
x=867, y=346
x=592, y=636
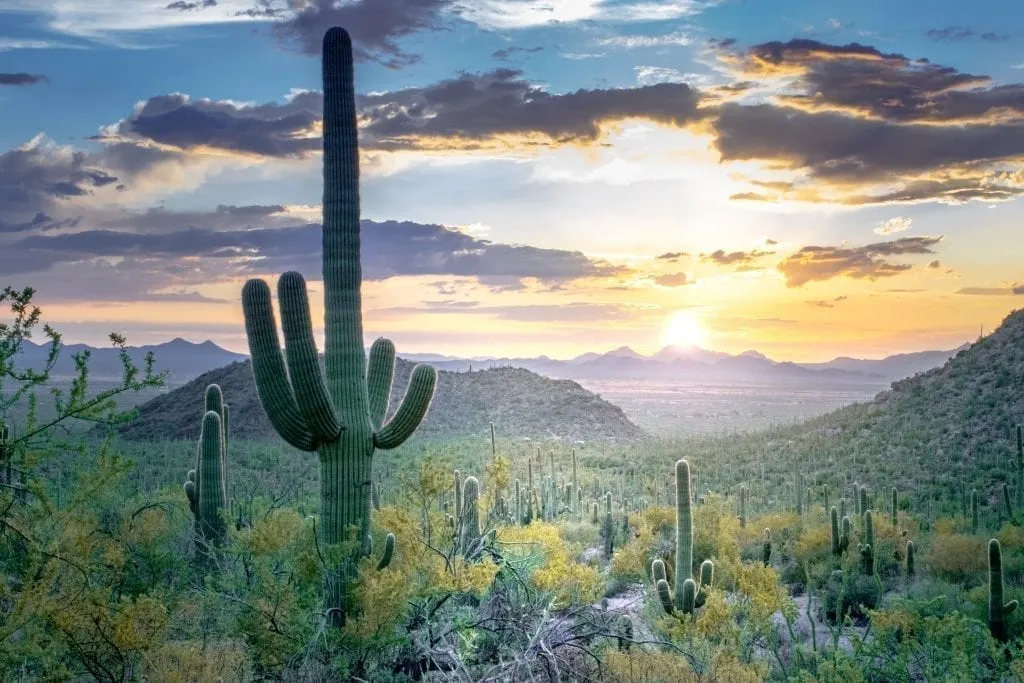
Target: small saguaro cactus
x=842, y=508
x=339, y=413
x=743, y=507
x=867, y=552
x=608, y=530
x=470, y=513
x=862, y=506
x=204, y=487
x=997, y=610
x=458, y=495
x=836, y=534
x=844, y=540
x=895, y=507
x=766, y=549
x=974, y=511
x=575, y=480
x=1007, y=503
x=799, y=494
x=910, y=558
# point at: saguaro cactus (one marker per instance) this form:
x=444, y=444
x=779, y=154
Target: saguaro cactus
x=688, y=594
x=1007, y=503
x=338, y=413
x=867, y=549
x=974, y=511
x=608, y=529
x=743, y=507
x=997, y=611
x=470, y=513
x=1020, y=467
x=895, y=507
x=910, y=558
x=836, y=535
x=766, y=549
x=204, y=487
x=844, y=540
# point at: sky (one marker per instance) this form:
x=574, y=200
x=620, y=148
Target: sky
x=804, y=179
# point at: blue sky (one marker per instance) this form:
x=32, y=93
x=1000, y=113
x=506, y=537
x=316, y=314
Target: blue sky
x=843, y=177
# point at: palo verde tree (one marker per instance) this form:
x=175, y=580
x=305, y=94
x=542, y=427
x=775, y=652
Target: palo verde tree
x=338, y=413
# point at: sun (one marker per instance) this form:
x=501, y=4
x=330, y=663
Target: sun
x=684, y=329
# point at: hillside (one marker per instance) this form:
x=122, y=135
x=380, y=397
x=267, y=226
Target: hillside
x=935, y=428
x=521, y=404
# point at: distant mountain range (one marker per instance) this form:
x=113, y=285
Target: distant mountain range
x=674, y=363
x=186, y=360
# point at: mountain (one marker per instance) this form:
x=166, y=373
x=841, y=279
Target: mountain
x=183, y=359
x=895, y=367
x=520, y=403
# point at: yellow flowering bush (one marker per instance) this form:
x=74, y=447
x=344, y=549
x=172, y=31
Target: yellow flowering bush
x=569, y=581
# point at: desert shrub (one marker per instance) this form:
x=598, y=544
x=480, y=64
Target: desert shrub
x=568, y=581
x=958, y=558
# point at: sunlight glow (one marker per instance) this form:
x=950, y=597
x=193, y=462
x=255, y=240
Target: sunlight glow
x=684, y=329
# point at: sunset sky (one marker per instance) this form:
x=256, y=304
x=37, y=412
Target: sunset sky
x=808, y=179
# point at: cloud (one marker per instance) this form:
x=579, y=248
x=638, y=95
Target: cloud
x=673, y=280
x=497, y=110
x=502, y=109
x=376, y=26
x=221, y=245
x=898, y=224
x=570, y=312
x=672, y=256
x=22, y=78
x=870, y=262
x=1012, y=290
x=828, y=303
x=518, y=14
x=506, y=54
x=183, y=6
x=744, y=260
x=679, y=38
x=952, y=34
x=272, y=130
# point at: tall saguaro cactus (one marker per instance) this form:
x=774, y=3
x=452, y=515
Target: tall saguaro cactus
x=688, y=594
x=339, y=413
x=205, y=488
x=1020, y=467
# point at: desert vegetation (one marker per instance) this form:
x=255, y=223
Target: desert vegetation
x=879, y=543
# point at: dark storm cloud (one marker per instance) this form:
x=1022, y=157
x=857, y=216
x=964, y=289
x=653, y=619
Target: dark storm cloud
x=376, y=26
x=22, y=78
x=870, y=262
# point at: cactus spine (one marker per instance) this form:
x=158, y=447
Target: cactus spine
x=997, y=610
x=338, y=413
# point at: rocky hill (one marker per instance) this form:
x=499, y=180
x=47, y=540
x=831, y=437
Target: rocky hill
x=522, y=404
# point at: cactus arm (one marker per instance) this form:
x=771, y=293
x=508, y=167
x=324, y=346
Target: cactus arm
x=664, y=595
x=303, y=365
x=380, y=373
x=190, y=494
x=268, y=368
x=411, y=411
x=689, y=596
x=389, y=552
